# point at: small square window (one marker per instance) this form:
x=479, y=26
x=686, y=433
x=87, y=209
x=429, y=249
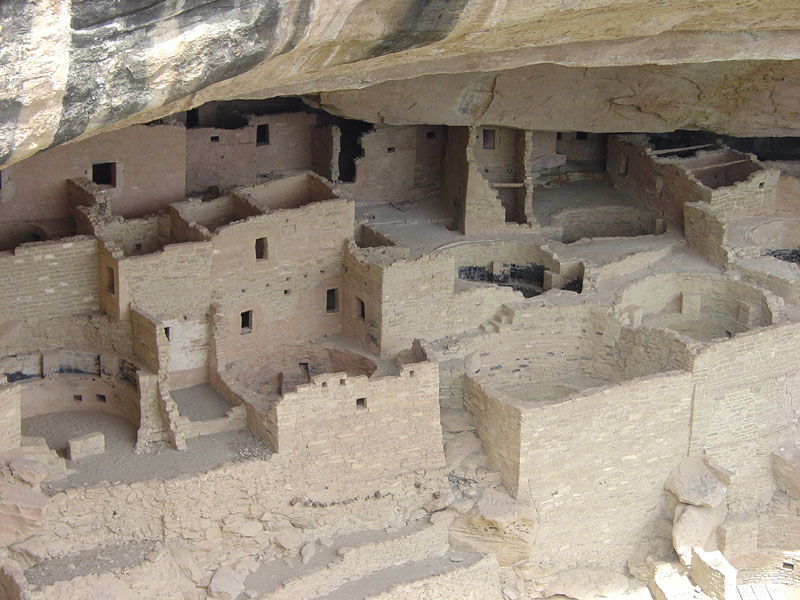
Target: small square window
x=247, y=321
x=391, y=149
x=262, y=249
x=343, y=382
x=431, y=135
x=788, y=565
x=361, y=310
x=489, y=139
x=214, y=138
x=110, y=280
x=105, y=173
x=77, y=397
x=101, y=397
x=262, y=135
x=324, y=384
x=581, y=135
x=137, y=247
x=287, y=292
x=332, y=300
x=361, y=403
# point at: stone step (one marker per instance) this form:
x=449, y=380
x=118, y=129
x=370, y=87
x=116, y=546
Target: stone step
x=457, y=574
x=334, y=567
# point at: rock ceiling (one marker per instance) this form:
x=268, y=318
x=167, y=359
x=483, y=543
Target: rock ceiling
x=69, y=70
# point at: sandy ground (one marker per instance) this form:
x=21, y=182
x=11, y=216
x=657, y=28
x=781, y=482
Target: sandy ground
x=119, y=463
x=200, y=403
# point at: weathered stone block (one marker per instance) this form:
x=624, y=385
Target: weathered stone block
x=89, y=444
x=715, y=575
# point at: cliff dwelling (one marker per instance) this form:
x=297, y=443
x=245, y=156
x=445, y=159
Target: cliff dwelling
x=399, y=300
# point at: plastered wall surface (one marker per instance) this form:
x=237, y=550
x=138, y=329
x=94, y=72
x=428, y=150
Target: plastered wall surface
x=146, y=181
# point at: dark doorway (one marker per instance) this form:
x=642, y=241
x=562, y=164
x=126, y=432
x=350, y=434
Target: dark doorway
x=350, y=147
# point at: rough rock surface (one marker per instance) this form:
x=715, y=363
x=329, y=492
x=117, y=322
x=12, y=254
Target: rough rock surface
x=21, y=510
x=226, y=584
x=586, y=584
x=696, y=526
x=694, y=483
x=497, y=524
x=73, y=69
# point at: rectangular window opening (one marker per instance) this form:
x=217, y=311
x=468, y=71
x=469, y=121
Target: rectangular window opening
x=262, y=249
x=431, y=135
x=105, y=173
x=361, y=310
x=558, y=136
x=788, y=565
x=332, y=300
x=166, y=332
x=361, y=403
x=343, y=382
x=262, y=135
x=214, y=138
x=488, y=139
x=77, y=397
x=192, y=118
x=110, y=283
x=581, y=135
x=390, y=149
x=247, y=321
x=101, y=397
x=623, y=165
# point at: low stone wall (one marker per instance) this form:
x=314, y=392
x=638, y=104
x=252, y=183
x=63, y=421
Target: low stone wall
x=480, y=581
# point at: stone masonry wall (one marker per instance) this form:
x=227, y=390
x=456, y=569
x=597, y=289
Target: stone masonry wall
x=585, y=458
x=364, y=429
x=44, y=280
x=10, y=417
x=286, y=289
x=150, y=162
x=745, y=403
x=236, y=158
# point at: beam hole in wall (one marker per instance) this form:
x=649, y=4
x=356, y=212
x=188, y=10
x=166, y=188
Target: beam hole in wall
x=361, y=310
x=262, y=249
x=101, y=397
x=105, y=173
x=332, y=300
x=247, y=321
x=110, y=280
x=361, y=403
x=489, y=140
x=262, y=135
x=77, y=397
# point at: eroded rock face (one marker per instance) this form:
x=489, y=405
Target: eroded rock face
x=497, y=524
x=73, y=69
x=21, y=512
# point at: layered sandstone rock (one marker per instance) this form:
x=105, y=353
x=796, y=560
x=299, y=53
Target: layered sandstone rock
x=70, y=70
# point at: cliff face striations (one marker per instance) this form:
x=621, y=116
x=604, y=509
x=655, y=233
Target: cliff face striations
x=73, y=69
